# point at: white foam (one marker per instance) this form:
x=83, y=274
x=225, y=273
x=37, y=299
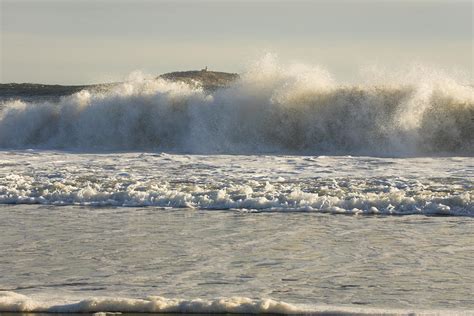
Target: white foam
x=348, y=185
x=272, y=108
x=24, y=190
x=14, y=302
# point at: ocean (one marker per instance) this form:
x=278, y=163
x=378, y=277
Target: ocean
x=282, y=193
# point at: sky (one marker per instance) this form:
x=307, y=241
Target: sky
x=85, y=41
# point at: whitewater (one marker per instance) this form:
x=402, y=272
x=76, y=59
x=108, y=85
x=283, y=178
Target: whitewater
x=271, y=109
x=162, y=196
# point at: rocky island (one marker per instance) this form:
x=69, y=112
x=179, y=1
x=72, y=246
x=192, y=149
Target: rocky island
x=209, y=80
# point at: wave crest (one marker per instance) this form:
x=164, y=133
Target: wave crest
x=271, y=108
x=14, y=302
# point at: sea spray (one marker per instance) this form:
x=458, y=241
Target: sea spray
x=272, y=108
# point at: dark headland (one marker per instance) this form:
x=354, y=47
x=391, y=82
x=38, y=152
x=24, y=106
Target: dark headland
x=209, y=80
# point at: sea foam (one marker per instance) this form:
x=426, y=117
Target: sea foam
x=271, y=109
x=14, y=302
x=347, y=185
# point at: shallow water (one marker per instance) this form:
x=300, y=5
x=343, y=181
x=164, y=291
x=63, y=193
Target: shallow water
x=151, y=232
x=53, y=253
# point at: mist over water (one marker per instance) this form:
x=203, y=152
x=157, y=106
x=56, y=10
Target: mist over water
x=273, y=108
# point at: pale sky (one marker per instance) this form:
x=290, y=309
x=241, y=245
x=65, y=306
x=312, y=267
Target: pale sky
x=85, y=41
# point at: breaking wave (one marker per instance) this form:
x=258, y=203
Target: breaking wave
x=270, y=109
x=335, y=196
x=14, y=302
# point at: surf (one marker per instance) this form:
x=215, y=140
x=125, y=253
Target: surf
x=14, y=302
x=271, y=108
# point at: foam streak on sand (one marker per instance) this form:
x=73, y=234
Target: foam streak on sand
x=10, y=301
x=13, y=302
x=294, y=109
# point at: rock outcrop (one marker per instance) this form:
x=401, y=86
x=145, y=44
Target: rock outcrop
x=209, y=80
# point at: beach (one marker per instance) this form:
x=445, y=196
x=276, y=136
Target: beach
x=277, y=192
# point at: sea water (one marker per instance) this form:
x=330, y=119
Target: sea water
x=145, y=259
x=283, y=193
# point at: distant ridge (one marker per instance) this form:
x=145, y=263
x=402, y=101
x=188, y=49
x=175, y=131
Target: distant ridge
x=38, y=90
x=209, y=80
